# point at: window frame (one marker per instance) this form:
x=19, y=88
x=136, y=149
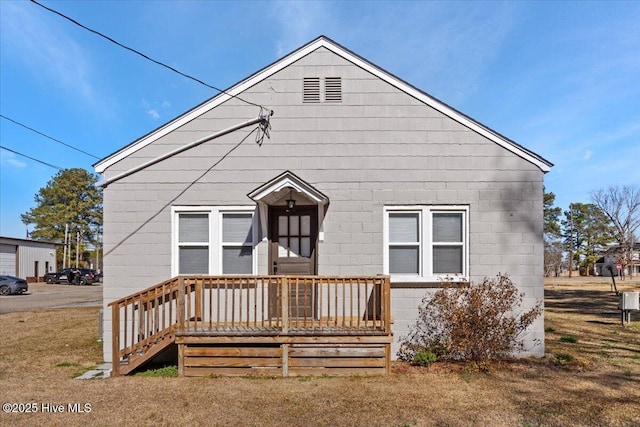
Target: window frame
x=426, y=242
x=215, y=242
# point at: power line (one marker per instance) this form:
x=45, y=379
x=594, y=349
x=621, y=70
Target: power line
x=47, y=136
x=34, y=159
x=137, y=52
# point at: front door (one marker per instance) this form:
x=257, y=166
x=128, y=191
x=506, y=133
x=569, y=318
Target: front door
x=293, y=238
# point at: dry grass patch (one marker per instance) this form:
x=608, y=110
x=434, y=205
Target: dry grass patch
x=40, y=351
x=54, y=344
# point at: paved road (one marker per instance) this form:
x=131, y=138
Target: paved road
x=43, y=296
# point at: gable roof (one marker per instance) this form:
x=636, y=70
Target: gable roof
x=268, y=192
x=322, y=41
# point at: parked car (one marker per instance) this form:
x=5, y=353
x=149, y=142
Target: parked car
x=12, y=285
x=87, y=276
x=97, y=276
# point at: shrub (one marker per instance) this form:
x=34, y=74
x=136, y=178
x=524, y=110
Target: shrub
x=475, y=322
x=424, y=358
x=563, y=359
x=164, y=372
x=568, y=338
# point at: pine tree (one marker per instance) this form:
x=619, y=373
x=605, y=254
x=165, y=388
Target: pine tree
x=72, y=198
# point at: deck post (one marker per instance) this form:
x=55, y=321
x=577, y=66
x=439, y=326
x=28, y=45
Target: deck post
x=285, y=304
x=180, y=304
x=285, y=360
x=386, y=285
x=198, y=300
x=115, y=340
x=181, y=359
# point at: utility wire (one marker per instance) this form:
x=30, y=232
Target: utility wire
x=162, y=64
x=47, y=136
x=34, y=159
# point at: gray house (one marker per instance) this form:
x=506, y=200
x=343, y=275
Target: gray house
x=311, y=251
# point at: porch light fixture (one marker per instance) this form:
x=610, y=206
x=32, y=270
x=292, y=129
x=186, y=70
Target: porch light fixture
x=291, y=203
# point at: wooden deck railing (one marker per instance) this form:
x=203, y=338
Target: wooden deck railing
x=144, y=322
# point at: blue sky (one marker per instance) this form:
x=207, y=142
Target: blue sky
x=560, y=78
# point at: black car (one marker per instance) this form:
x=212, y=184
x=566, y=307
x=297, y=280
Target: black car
x=87, y=276
x=12, y=285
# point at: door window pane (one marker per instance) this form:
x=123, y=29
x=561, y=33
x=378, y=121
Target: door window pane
x=194, y=260
x=283, y=247
x=294, y=246
x=294, y=225
x=193, y=228
x=404, y=260
x=447, y=227
x=403, y=227
x=305, y=225
x=236, y=227
x=237, y=260
x=283, y=228
x=447, y=260
x=305, y=247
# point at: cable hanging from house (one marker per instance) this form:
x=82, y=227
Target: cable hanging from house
x=264, y=127
x=137, y=52
x=31, y=158
x=47, y=136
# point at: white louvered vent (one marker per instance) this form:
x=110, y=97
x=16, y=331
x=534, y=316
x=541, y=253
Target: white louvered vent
x=333, y=89
x=311, y=89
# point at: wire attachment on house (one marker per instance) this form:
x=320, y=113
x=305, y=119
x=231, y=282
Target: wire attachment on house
x=264, y=127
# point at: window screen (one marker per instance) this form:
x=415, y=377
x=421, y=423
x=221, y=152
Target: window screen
x=404, y=243
x=194, y=260
x=193, y=228
x=447, y=227
x=237, y=250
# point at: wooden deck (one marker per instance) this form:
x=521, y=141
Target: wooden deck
x=258, y=325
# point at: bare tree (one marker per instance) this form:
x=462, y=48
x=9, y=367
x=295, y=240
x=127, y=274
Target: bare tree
x=622, y=206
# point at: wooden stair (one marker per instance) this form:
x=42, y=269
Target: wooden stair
x=135, y=360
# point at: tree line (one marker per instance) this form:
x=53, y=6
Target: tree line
x=576, y=238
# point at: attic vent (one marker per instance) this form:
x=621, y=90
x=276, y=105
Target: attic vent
x=333, y=89
x=311, y=89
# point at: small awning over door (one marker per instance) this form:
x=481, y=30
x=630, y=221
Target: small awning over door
x=275, y=191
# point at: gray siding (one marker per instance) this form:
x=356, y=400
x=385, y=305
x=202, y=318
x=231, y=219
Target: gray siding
x=378, y=147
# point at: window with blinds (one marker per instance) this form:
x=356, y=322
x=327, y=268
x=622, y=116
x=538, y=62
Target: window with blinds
x=213, y=240
x=404, y=243
x=237, y=245
x=193, y=241
x=426, y=242
x=447, y=243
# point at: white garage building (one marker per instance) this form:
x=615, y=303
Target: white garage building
x=25, y=258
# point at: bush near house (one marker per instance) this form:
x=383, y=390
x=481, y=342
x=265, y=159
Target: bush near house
x=478, y=323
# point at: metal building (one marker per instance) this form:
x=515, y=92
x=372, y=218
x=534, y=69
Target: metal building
x=25, y=258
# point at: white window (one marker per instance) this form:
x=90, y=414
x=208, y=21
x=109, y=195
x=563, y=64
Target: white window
x=426, y=243
x=213, y=240
x=193, y=243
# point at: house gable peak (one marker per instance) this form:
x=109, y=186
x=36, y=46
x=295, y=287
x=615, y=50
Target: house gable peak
x=324, y=42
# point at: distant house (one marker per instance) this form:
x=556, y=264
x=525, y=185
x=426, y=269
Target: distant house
x=29, y=259
x=311, y=252
x=610, y=259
